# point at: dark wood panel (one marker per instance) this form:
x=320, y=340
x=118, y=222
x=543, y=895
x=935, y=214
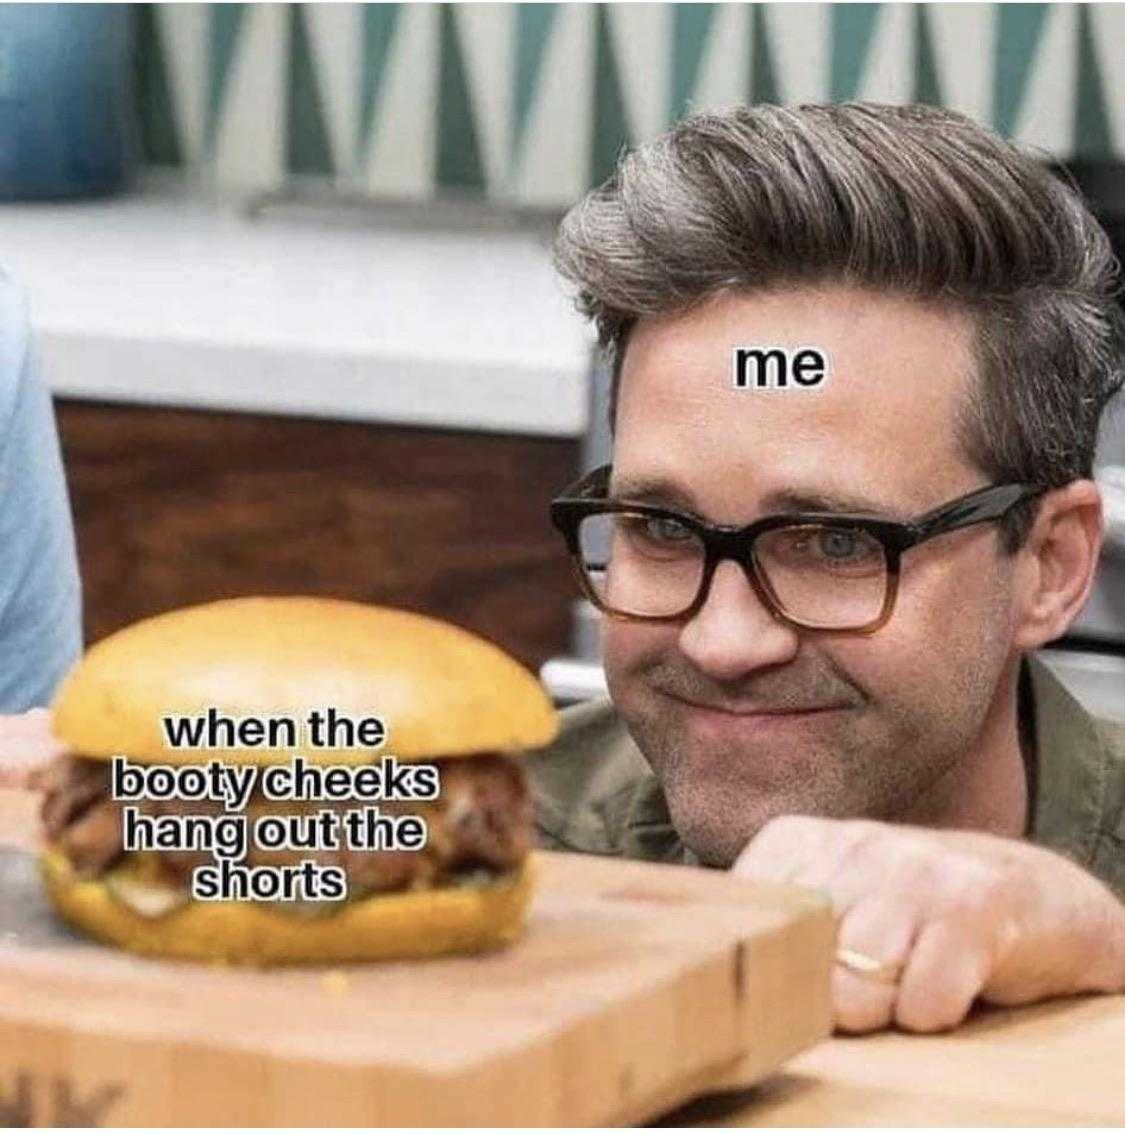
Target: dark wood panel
x=174, y=507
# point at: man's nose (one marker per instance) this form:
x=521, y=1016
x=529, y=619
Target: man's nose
x=734, y=633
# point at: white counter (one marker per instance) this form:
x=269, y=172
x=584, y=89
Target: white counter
x=179, y=302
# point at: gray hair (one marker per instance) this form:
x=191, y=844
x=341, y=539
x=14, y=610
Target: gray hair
x=914, y=200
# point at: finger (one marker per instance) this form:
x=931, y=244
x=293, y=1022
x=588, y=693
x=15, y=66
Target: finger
x=26, y=746
x=785, y=848
x=883, y=932
x=21, y=770
x=853, y=859
x=944, y=974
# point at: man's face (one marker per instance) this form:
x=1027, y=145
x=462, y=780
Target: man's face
x=742, y=717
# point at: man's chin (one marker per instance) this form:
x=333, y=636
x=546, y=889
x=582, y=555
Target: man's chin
x=726, y=775
x=718, y=804
x=760, y=763
x=715, y=843
x=717, y=820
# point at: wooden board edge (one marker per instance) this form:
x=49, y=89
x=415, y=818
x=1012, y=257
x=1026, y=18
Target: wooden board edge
x=787, y=983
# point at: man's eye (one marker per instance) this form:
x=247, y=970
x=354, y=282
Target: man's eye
x=662, y=529
x=662, y=532
x=828, y=547
x=842, y=544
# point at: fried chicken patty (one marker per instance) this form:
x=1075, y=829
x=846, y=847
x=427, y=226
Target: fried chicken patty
x=481, y=818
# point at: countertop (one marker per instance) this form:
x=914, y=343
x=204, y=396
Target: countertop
x=178, y=300
x=1051, y=1064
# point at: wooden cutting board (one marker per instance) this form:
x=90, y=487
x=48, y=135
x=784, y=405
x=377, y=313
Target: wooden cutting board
x=634, y=987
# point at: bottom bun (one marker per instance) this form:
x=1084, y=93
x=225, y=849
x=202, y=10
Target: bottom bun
x=420, y=923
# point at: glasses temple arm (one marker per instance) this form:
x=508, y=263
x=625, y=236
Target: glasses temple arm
x=979, y=507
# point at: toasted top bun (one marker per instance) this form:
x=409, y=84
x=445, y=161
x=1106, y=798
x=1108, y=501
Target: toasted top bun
x=440, y=690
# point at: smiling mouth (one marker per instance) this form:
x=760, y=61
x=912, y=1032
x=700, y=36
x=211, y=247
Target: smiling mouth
x=756, y=712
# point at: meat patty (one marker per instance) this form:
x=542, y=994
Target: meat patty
x=69, y=787
x=482, y=817
x=92, y=841
x=487, y=810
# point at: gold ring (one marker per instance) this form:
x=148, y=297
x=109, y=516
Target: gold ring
x=866, y=966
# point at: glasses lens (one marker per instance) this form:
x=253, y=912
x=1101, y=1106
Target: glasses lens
x=828, y=577
x=639, y=564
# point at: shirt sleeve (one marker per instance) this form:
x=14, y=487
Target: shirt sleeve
x=40, y=594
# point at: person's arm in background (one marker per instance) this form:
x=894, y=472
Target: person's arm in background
x=40, y=594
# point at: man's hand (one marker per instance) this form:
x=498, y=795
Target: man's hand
x=26, y=746
x=950, y=915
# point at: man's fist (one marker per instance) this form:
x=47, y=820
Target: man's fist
x=948, y=916
x=26, y=746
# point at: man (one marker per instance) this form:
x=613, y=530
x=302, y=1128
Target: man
x=40, y=595
x=842, y=697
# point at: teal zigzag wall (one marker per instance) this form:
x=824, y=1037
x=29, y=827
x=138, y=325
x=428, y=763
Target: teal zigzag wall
x=532, y=102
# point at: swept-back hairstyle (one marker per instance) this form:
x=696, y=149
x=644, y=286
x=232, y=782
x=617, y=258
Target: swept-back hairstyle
x=913, y=200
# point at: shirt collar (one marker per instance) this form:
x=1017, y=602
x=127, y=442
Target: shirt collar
x=1067, y=773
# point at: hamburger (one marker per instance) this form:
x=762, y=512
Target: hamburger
x=448, y=697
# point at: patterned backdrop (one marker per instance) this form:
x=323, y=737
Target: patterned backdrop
x=531, y=102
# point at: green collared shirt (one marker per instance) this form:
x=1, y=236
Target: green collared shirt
x=594, y=792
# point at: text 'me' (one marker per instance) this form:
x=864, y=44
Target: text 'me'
x=778, y=368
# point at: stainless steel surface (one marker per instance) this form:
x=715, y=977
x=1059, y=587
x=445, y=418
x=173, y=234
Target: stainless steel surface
x=1095, y=680
x=569, y=680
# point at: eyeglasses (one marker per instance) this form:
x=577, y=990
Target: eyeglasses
x=815, y=571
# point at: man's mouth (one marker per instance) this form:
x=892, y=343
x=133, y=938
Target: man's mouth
x=752, y=708
x=762, y=711
x=753, y=714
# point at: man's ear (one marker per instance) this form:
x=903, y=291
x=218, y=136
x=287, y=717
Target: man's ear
x=1057, y=563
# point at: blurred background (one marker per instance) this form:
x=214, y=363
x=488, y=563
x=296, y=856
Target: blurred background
x=288, y=268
